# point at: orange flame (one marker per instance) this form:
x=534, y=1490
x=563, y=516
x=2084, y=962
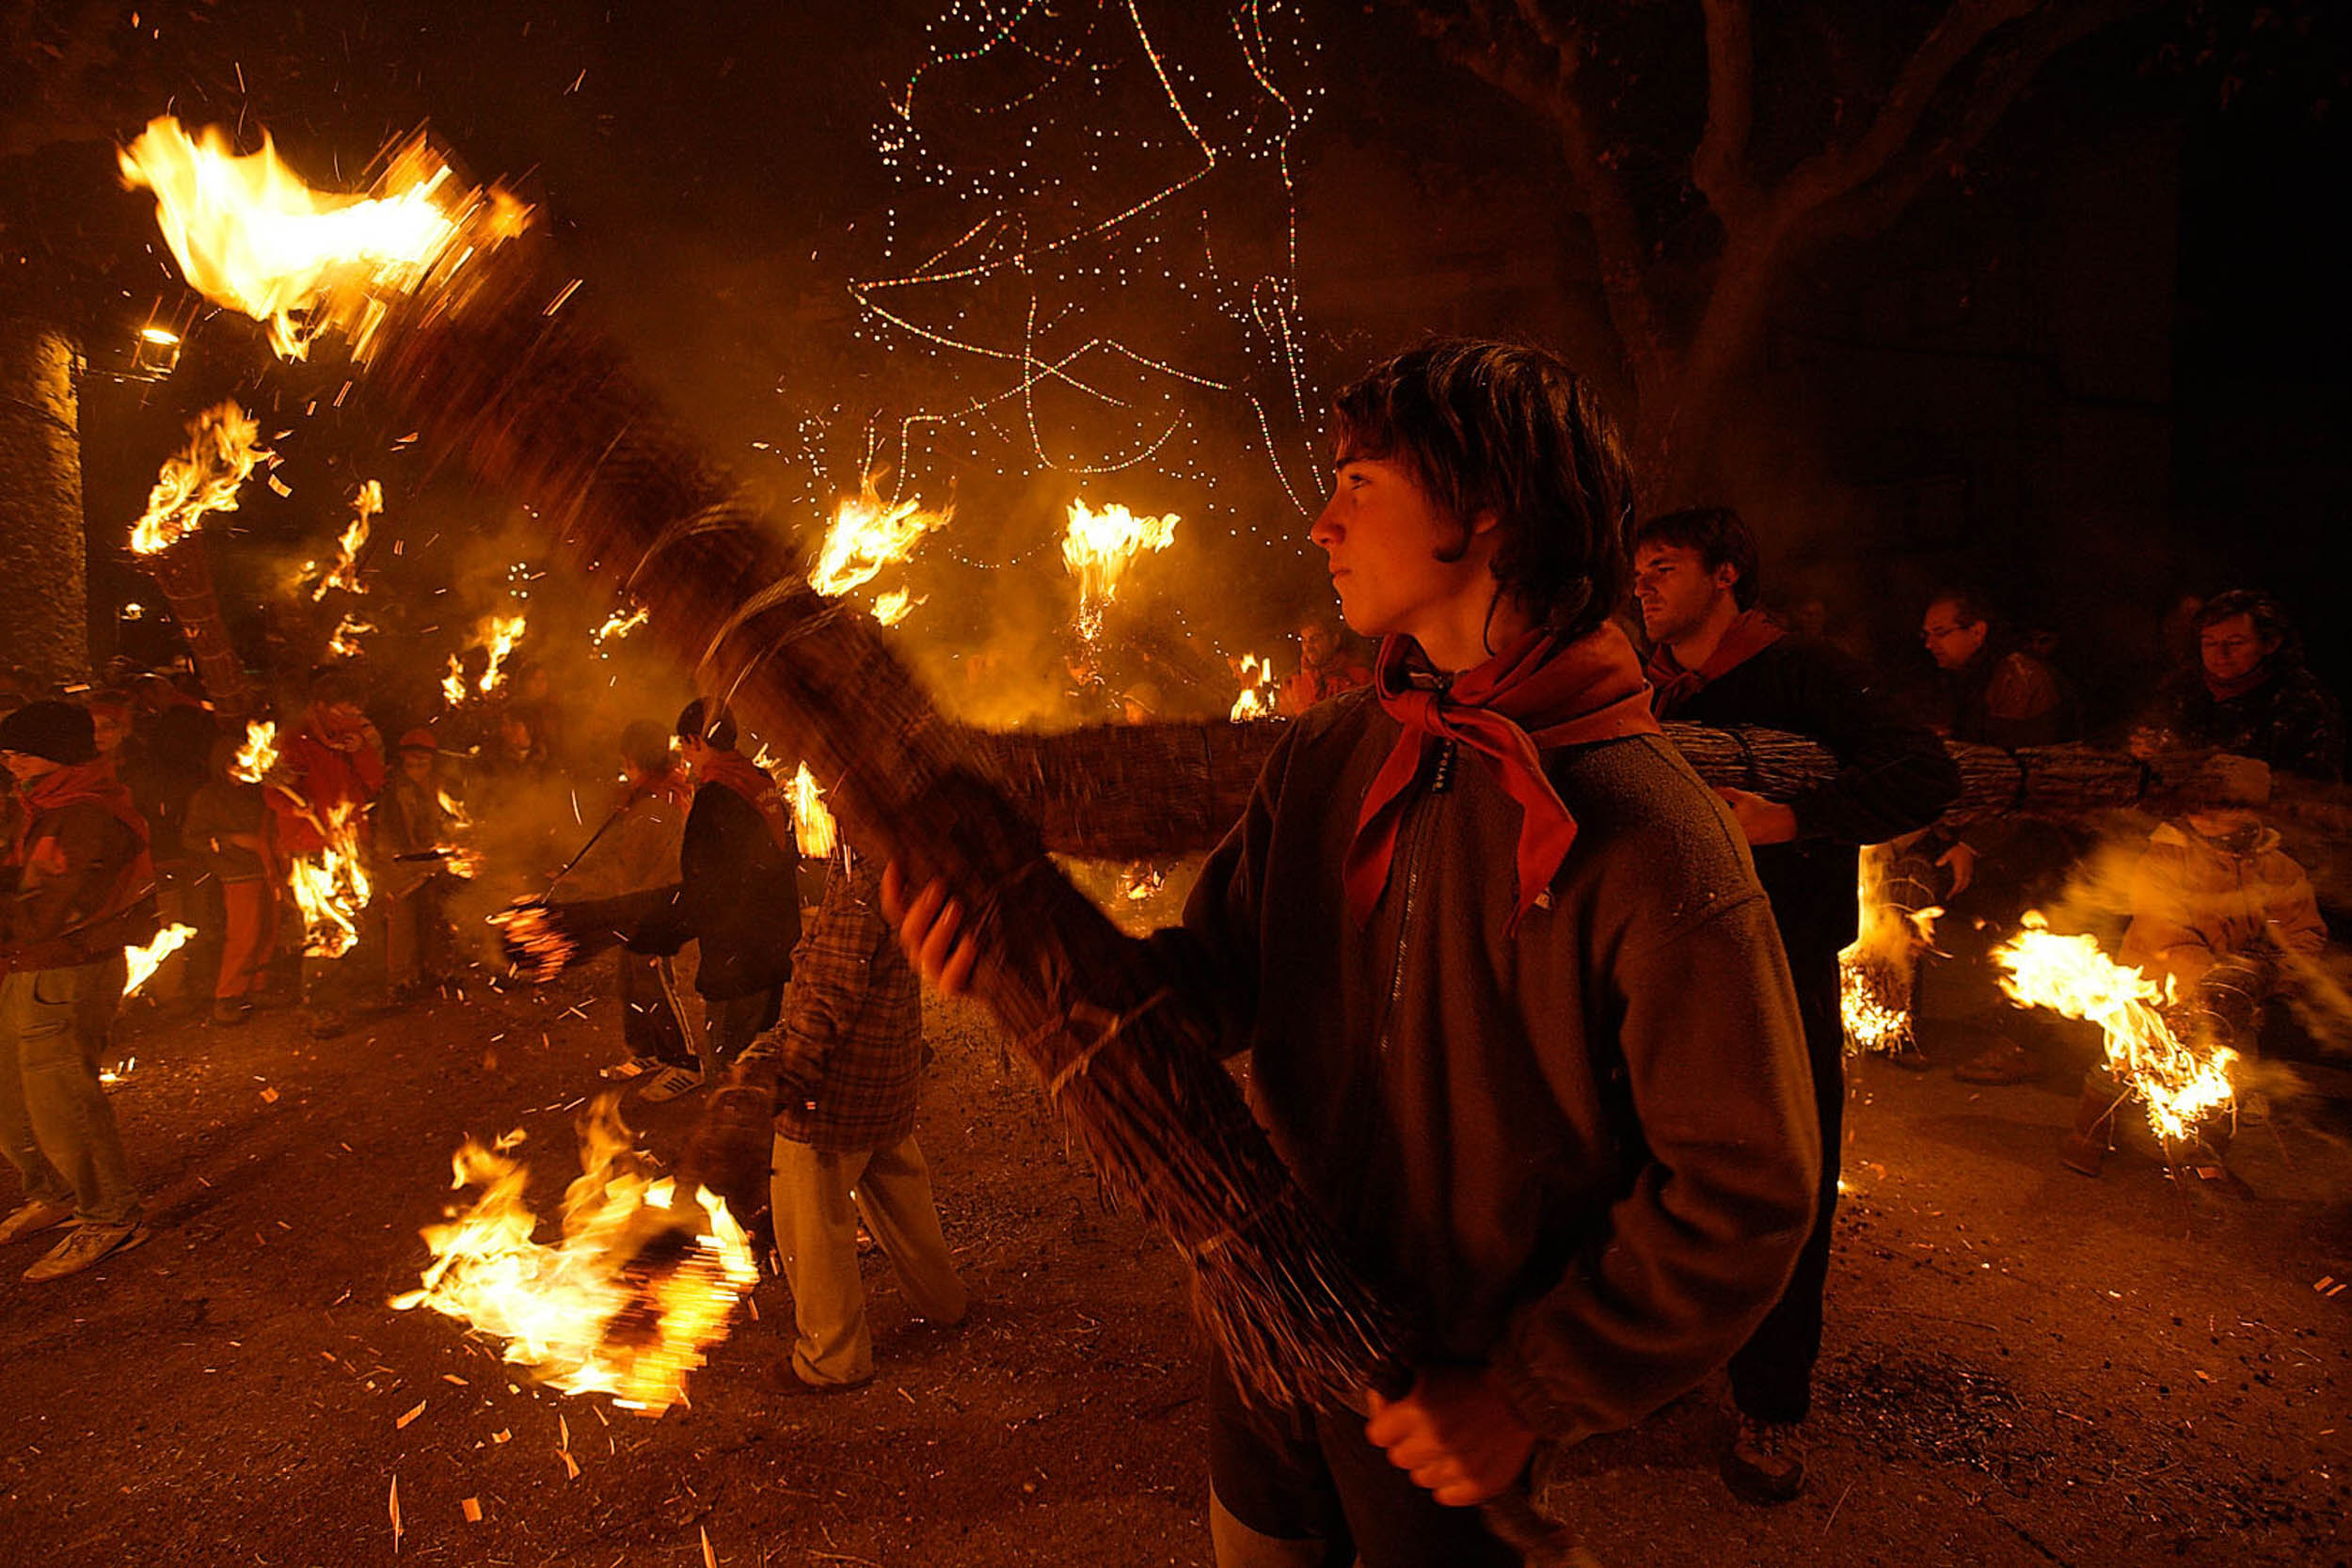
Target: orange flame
x=892, y=608
x=258, y=754
x=812, y=824
x=145, y=961
x=453, y=682
x=345, y=642
x=866, y=534
x=619, y=624
x=579, y=1312
x=1099, y=547
x=502, y=632
x=1256, y=700
x=345, y=572
x=1875, y=973
x=219, y=457
x=2182, y=1082
x=249, y=234
x=331, y=888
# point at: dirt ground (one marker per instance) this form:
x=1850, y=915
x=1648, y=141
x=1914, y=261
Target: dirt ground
x=2023, y=1366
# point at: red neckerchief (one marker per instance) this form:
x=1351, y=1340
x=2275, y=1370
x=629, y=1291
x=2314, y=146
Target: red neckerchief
x=733, y=770
x=1537, y=693
x=2222, y=691
x=95, y=783
x=1749, y=634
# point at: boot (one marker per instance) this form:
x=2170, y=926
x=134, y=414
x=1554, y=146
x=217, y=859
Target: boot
x=2084, y=1147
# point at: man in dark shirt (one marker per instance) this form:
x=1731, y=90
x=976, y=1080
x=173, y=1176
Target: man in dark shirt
x=738, y=893
x=1719, y=659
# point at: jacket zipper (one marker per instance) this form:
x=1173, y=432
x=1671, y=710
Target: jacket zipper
x=1440, y=783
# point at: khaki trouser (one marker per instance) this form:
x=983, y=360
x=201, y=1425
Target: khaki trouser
x=56, y=1126
x=817, y=1199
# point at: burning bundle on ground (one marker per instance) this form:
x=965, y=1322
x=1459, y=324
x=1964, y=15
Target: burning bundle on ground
x=1876, y=972
x=222, y=450
x=599, y=1311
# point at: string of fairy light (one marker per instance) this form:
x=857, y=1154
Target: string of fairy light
x=1025, y=249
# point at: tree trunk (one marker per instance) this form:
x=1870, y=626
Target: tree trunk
x=44, y=602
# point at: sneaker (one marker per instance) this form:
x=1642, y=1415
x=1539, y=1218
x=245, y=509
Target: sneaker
x=230, y=1011
x=668, y=1082
x=635, y=1067
x=32, y=1219
x=84, y=1245
x=1766, y=1462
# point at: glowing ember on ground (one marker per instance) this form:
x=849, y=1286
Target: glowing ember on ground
x=145, y=961
x=2182, y=1082
x=345, y=572
x=1257, y=692
x=812, y=824
x=249, y=234
x=1099, y=547
x=600, y=1311
x=203, y=478
x=258, y=754
x=1875, y=973
x=331, y=888
x=866, y=534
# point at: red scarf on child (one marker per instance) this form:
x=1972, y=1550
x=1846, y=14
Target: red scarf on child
x=1746, y=637
x=734, y=770
x=1537, y=693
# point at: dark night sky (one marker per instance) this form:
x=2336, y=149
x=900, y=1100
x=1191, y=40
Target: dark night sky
x=714, y=174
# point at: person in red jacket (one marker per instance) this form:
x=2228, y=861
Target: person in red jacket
x=1458, y=929
x=81, y=888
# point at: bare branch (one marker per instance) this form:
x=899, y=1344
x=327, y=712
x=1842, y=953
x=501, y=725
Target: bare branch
x=1837, y=170
x=2008, y=68
x=1718, y=168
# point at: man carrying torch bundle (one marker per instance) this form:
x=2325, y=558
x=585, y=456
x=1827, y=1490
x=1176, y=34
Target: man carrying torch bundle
x=1457, y=928
x=80, y=889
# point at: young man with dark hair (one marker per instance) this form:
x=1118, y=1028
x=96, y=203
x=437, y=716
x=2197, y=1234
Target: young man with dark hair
x=1456, y=928
x=1717, y=659
x=737, y=894
x=80, y=888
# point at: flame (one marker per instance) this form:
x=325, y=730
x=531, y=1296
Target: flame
x=345, y=642
x=453, y=682
x=1099, y=547
x=812, y=824
x=1141, y=882
x=258, y=754
x=1256, y=700
x=1876, y=972
x=2182, y=1082
x=454, y=811
x=330, y=888
x=345, y=573
x=501, y=633
x=586, y=1313
x=204, y=477
x=249, y=234
x=619, y=624
x=532, y=941
x=145, y=961
x=891, y=607
x=866, y=534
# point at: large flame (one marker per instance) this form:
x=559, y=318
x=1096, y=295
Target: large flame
x=1099, y=547
x=812, y=824
x=205, y=477
x=866, y=534
x=1257, y=690
x=589, y=1313
x=249, y=234
x=258, y=754
x=145, y=961
x=331, y=888
x=501, y=633
x=2180, y=1082
x=344, y=574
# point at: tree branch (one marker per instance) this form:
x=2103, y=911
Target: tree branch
x=1718, y=168
x=2007, y=70
x=1837, y=170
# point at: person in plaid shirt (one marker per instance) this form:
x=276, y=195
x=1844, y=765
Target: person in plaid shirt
x=850, y=1050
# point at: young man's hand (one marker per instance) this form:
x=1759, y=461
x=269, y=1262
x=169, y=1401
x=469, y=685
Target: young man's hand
x=1961, y=861
x=929, y=927
x=1763, y=821
x=1455, y=1433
